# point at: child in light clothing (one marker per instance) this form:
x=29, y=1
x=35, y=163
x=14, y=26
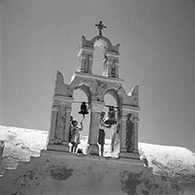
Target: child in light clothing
x=75, y=135
x=101, y=138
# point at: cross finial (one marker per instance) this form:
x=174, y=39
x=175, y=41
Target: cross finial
x=100, y=26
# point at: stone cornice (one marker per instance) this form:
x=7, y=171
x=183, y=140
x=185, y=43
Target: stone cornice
x=130, y=108
x=97, y=106
x=62, y=98
x=98, y=77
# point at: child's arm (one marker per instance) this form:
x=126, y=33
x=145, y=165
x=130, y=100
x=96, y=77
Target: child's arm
x=104, y=125
x=81, y=128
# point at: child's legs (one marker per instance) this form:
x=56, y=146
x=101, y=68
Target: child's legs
x=75, y=147
x=102, y=149
x=72, y=147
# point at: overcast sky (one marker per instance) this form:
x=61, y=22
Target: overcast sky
x=157, y=47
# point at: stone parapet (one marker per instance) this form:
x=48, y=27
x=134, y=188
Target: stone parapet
x=56, y=172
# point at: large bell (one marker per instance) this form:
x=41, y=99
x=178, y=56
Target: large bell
x=83, y=109
x=111, y=120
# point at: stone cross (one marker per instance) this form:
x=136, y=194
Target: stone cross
x=100, y=26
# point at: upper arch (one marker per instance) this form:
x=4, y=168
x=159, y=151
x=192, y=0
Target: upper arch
x=101, y=42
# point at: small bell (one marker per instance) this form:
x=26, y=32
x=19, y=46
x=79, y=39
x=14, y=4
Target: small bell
x=83, y=109
x=111, y=120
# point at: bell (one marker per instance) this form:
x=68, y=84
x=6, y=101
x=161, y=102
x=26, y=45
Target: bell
x=111, y=120
x=83, y=109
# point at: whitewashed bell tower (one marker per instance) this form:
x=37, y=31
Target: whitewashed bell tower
x=95, y=87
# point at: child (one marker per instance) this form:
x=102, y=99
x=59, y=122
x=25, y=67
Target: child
x=70, y=128
x=101, y=138
x=75, y=135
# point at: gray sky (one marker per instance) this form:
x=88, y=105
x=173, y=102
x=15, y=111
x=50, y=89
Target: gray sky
x=157, y=47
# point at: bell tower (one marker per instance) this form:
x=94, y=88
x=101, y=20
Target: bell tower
x=96, y=87
x=111, y=54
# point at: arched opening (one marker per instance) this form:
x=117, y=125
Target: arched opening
x=111, y=133
x=98, y=57
x=109, y=101
x=79, y=97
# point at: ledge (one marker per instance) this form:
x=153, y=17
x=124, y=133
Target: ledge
x=99, y=77
x=127, y=161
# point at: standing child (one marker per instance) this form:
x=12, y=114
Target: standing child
x=70, y=128
x=75, y=135
x=101, y=138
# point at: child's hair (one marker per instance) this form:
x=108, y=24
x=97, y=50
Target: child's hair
x=102, y=114
x=74, y=122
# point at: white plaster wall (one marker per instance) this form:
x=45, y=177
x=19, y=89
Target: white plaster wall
x=174, y=165
x=60, y=173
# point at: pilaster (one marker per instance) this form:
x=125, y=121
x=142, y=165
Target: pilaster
x=123, y=134
x=60, y=122
x=96, y=109
x=136, y=136
x=111, y=62
x=51, y=134
x=67, y=125
x=85, y=60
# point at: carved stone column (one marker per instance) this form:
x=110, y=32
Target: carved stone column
x=85, y=60
x=60, y=122
x=136, y=136
x=67, y=126
x=123, y=147
x=123, y=133
x=96, y=109
x=53, y=119
x=60, y=125
x=111, y=65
